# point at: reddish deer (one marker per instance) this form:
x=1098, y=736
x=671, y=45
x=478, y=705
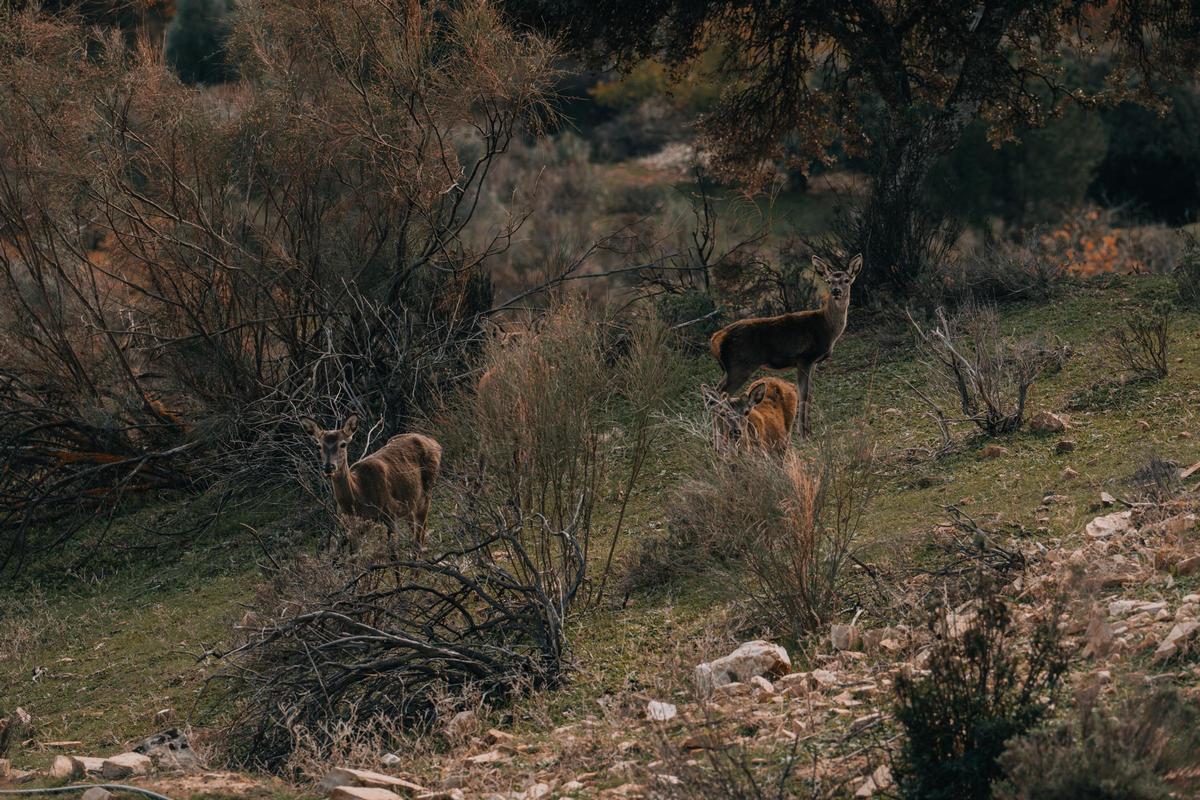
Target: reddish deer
x=800, y=339
x=392, y=484
x=763, y=417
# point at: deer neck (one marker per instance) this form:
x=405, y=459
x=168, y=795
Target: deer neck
x=344, y=486
x=833, y=314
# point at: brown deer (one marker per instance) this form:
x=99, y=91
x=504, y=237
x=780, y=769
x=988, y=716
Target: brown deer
x=392, y=484
x=800, y=339
x=763, y=417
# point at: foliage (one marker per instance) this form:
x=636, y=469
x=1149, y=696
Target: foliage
x=1187, y=272
x=901, y=79
x=1145, y=748
x=980, y=690
x=196, y=41
x=1140, y=345
x=1152, y=164
x=241, y=255
x=988, y=374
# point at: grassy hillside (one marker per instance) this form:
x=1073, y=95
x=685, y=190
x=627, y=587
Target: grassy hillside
x=95, y=658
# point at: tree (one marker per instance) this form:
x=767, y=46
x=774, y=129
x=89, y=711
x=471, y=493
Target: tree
x=899, y=78
x=196, y=41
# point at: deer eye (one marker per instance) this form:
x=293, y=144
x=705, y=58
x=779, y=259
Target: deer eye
x=342, y=444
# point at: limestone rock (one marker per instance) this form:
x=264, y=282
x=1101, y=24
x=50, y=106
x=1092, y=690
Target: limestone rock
x=62, y=767
x=845, y=637
x=96, y=793
x=1109, y=524
x=750, y=659
x=169, y=750
x=1175, y=639
x=362, y=793
x=876, y=782
x=126, y=765
x=496, y=736
x=5, y=769
x=660, y=712
x=992, y=451
x=1046, y=422
x=86, y=765
x=346, y=776
x=1189, y=566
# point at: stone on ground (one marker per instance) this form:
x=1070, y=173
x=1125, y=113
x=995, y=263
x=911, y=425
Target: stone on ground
x=126, y=765
x=750, y=659
x=660, y=712
x=346, y=776
x=1110, y=524
x=96, y=793
x=62, y=767
x=1046, y=422
x=362, y=793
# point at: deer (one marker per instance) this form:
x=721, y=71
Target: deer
x=800, y=339
x=763, y=417
x=392, y=484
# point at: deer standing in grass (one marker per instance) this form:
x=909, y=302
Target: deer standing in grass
x=800, y=339
x=392, y=484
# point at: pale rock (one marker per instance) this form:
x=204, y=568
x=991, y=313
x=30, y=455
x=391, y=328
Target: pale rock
x=1178, y=635
x=1189, y=566
x=462, y=725
x=497, y=736
x=391, y=760
x=750, y=659
x=86, y=765
x=822, y=679
x=453, y=793
x=169, y=750
x=1103, y=677
x=62, y=767
x=992, y=451
x=845, y=637
x=347, y=776
x=362, y=793
x=572, y=786
x=126, y=765
x=1099, y=636
x=96, y=793
x=1191, y=598
x=1068, y=474
x=536, y=792
x=1107, y=499
x=1187, y=611
x=1109, y=524
x=490, y=757
x=1055, y=499
x=1046, y=422
x=660, y=712
x=876, y=782
x=1143, y=425
x=763, y=685
x=5, y=768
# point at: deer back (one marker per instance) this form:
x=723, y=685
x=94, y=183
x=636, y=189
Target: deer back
x=401, y=472
x=777, y=342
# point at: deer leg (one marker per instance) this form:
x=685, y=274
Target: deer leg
x=804, y=388
x=420, y=515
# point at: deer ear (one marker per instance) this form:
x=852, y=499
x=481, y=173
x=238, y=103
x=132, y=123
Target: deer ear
x=310, y=427
x=757, y=393
x=820, y=266
x=350, y=425
x=855, y=266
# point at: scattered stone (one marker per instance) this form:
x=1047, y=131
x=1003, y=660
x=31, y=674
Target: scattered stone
x=1046, y=422
x=1109, y=524
x=1189, y=566
x=126, y=765
x=1190, y=471
x=462, y=725
x=346, y=776
x=1107, y=499
x=1177, y=637
x=1103, y=677
x=86, y=765
x=96, y=793
x=763, y=685
x=5, y=769
x=1068, y=474
x=362, y=793
x=163, y=716
x=490, y=757
x=496, y=736
x=391, y=760
x=1064, y=446
x=992, y=451
x=444, y=794
x=876, y=782
x=660, y=712
x=1099, y=636
x=536, y=792
x=169, y=749
x=572, y=786
x=1143, y=425
x=750, y=659
x=845, y=637
x=822, y=679
x=63, y=767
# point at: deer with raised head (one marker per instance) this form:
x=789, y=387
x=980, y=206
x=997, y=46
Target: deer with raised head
x=392, y=484
x=799, y=339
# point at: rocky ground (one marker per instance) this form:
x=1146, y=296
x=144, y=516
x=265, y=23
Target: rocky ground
x=1119, y=589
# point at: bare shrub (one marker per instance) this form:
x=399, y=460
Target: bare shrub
x=1186, y=271
x=988, y=374
x=1005, y=271
x=371, y=646
x=1139, y=347
x=200, y=267
x=1146, y=747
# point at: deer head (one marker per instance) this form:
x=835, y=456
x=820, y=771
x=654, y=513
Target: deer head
x=332, y=443
x=838, y=280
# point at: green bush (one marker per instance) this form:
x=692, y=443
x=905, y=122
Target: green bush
x=1126, y=753
x=981, y=690
x=196, y=41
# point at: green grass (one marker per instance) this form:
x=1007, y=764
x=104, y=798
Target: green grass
x=119, y=648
